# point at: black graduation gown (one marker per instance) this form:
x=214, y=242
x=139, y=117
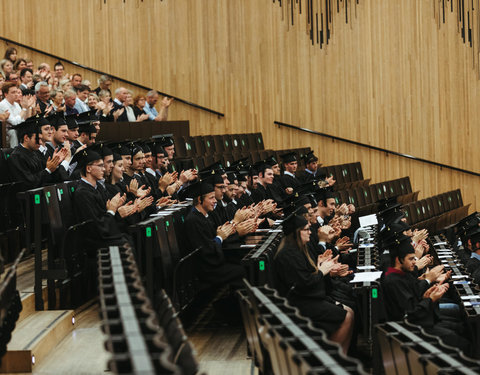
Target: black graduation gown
x=213, y=269
x=245, y=200
x=403, y=294
x=26, y=167
x=88, y=204
x=276, y=189
x=473, y=268
x=60, y=174
x=309, y=295
x=290, y=182
x=260, y=193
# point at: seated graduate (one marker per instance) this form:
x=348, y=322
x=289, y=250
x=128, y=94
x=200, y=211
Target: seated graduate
x=417, y=299
x=89, y=204
x=460, y=232
x=304, y=282
x=289, y=180
x=265, y=180
x=213, y=267
x=25, y=163
x=473, y=264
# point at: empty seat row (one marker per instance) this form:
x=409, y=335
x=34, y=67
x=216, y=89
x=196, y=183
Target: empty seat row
x=407, y=349
x=134, y=337
x=436, y=212
x=282, y=341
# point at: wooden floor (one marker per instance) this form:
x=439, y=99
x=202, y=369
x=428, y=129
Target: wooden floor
x=221, y=348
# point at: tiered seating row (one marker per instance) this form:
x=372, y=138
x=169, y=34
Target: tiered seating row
x=407, y=349
x=283, y=341
x=140, y=342
x=437, y=212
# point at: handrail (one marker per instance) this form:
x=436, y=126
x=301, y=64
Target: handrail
x=334, y=137
x=219, y=114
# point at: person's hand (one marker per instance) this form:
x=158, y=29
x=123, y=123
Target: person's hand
x=345, y=224
x=340, y=270
x=436, y=292
x=108, y=108
x=343, y=243
x=116, y=202
x=330, y=181
x=142, y=117
x=419, y=249
x=165, y=201
x=269, y=206
x=166, y=102
x=327, y=254
x=419, y=235
x=142, y=203
x=327, y=266
x=133, y=187
x=142, y=192
x=118, y=113
x=225, y=231
x=289, y=190
x=444, y=277
x=341, y=210
x=164, y=181
x=53, y=162
x=174, y=177
x=241, y=215
x=326, y=233
x=424, y=261
x=48, y=109
x=5, y=115
x=351, y=209
x=247, y=226
x=127, y=209
x=434, y=273
x=82, y=147
x=186, y=176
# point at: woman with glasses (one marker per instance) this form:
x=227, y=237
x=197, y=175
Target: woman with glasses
x=305, y=281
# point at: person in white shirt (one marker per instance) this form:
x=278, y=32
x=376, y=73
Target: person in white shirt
x=16, y=114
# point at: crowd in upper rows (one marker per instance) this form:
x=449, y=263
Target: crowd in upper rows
x=26, y=91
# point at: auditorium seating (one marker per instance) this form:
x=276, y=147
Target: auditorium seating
x=407, y=349
x=280, y=339
x=10, y=304
x=140, y=339
x=437, y=212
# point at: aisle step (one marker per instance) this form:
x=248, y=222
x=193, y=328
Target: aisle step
x=34, y=337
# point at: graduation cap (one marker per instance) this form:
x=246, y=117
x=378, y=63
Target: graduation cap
x=217, y=166
x=85, y=157
x=289, y=157
x=58, y=119
x=474, y=234
x=299, y=209
x=121, y=149
x=29, y=127
x=400, y=246
x=231, y=176
x=292, y=223
x=166, y=141
x=213, y=177
x=393, y=230
x=242, y=175
x=323, y=194
x=87, y=128
x=238, y=164
x=71, y=121
x=196, y=189
x=102, y=150
x=116, y=157
x=135, y=148
x=307, y=187
x=385, y=204
x=309, y=157
x=271, y=161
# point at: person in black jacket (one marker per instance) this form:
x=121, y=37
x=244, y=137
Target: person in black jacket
x=289, y=180
x=304, y=282
x=213, y=268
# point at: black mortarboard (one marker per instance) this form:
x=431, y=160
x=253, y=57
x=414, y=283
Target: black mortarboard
x=292, y=223
x=85, y=157
x=385, y=204
x=309, y=157
x=135, y=148
x=208, y=169
x=289, y=157
x=196, y=189
x=299, y=210
x=120, y=149
x=166, y=141
x=271, y=161
x=116, y=157
x=393, y=230
x=473, y=234
x=71, y=121
x=307, y=187
x=323, y=194
x=400, y=246
x=29, y=126
x=102, y=150
x=231, y=176
x=84, y=117
x=214, y=177
x=86, y=127
x=238, y=164
x=242, y=175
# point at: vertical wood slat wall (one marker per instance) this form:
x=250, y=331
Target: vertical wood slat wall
x=395, y=76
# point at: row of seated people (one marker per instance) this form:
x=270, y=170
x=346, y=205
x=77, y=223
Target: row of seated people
x=410, y=288
x=223, y=213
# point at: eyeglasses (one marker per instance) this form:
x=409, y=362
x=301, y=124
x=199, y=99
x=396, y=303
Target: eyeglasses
x=99, y=165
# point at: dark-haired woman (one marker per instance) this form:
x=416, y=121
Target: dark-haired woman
x=304, y=282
